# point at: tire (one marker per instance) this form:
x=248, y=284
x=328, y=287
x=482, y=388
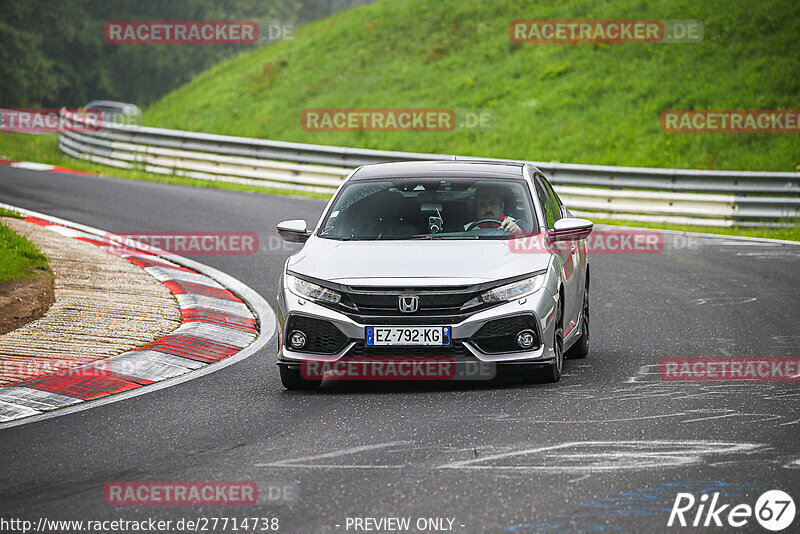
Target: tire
x=552, y=372
x=293, y=380
x=581, y=347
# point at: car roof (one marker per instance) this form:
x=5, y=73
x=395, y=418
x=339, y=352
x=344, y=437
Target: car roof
x=112, y=105
x=440, y=169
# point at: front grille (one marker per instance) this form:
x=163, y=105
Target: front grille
x=433, y=301
x=500, y=335
x=323, y=336
x=455, y=350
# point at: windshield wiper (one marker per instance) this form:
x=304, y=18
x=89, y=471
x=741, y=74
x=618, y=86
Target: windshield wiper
x=434, y=236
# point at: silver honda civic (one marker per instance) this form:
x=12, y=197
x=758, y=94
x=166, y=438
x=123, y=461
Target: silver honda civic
x=477, y=262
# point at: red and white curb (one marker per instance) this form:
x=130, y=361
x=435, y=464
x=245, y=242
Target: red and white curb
x=33, y=166
x=220, y=327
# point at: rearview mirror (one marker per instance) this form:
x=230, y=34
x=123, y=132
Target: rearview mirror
x=294, y=231
x=570, y=228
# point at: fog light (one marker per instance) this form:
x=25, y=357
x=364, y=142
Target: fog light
x=525, y=339
x=297, y=339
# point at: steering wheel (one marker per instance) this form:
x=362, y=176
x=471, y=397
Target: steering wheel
x=472, y=225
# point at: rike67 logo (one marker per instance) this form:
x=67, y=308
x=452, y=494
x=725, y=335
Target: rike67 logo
x=774, y=510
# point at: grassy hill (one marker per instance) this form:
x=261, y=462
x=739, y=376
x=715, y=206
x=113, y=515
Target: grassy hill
x=577, y=103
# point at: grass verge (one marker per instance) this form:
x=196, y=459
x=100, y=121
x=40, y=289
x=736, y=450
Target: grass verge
x=8, y=213
x=19, y=257
x=595, y=103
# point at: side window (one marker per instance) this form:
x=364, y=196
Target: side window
x=546, y=205
x=557, y=204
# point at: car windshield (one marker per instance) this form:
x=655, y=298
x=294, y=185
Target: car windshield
x=430, y=208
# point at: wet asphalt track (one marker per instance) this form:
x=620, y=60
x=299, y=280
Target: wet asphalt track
x=605, y=450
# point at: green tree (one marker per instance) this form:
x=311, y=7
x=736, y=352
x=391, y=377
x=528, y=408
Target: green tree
x=54, y=54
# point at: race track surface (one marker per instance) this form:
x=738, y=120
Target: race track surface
x=605, y=450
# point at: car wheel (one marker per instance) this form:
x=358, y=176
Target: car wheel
x=581, y=347
x=552, y=372
x=292, y=379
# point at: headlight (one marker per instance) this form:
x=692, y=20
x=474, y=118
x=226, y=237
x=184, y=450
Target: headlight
x=303, y=288
x=514, y=290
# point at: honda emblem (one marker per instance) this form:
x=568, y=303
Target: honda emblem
x=408, y=304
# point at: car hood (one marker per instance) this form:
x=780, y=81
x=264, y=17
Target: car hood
x=418, y=263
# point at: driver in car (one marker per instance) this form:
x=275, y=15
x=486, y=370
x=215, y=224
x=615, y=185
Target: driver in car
x=489, y=204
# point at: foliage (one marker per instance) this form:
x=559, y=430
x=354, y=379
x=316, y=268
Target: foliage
x=53, y=52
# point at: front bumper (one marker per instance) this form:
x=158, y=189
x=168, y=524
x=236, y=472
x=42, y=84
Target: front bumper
x=539, y=306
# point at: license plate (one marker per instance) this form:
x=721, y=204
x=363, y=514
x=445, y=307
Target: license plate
x=408, y=335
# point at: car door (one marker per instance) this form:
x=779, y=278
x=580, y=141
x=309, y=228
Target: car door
x=568, y=260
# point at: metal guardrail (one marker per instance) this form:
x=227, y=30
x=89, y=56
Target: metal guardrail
x=714, y=198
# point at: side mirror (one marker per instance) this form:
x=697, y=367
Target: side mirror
x=572, y=228
x=294, y=231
